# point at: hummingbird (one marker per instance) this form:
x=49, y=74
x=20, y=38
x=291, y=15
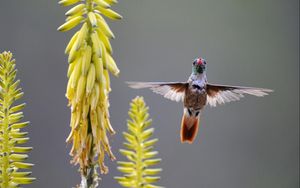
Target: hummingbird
x=195, y=94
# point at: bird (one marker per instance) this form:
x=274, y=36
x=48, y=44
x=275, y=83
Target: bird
x=195, y=94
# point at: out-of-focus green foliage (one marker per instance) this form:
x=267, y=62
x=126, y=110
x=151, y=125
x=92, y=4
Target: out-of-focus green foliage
x=13, y=169
x=90, y=61
x=138, y=170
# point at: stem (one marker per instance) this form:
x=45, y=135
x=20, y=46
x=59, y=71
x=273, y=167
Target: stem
x=89, y=5
x=90, y=180
x=89, y=176
x=90, y=8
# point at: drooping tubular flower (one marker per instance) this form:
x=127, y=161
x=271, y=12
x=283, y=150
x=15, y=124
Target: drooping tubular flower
x=90, y=61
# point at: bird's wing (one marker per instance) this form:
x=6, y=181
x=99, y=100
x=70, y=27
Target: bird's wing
x=220, y=94
x=170, y=90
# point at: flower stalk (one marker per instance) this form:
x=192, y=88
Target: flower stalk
x=90, y=61
x=12, y=154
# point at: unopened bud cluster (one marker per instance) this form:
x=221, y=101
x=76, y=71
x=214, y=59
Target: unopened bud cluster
x=139, y=170
x=13, y=168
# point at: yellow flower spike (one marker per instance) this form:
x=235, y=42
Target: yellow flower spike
x=68, y=2
x=92, y=18
x=70, y=24
x=75, y=10
x=138, y=171
x=90, y=79
x=109, y=13
x=86, y=60
x=89, y=57
x=12, y=156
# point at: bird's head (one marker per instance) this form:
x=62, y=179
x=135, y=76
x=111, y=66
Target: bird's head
x=199, y=65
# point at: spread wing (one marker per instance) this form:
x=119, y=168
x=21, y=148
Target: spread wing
x=170, y=90
x=220, y=94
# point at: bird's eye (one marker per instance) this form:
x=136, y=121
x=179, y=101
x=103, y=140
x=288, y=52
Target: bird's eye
x=195, y=61
x=204, y=62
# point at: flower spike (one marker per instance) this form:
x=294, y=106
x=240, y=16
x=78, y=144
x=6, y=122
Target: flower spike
x=90, y=61
x=138, y=170
x=13, y=169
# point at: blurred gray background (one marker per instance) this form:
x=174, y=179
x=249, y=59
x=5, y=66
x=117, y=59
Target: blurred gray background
x=250, y=143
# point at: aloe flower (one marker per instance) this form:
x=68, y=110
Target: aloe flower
x=13, y=169
x=138, y=170
x=90, y=61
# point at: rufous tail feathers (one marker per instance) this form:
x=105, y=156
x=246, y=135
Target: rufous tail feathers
x=189, y=128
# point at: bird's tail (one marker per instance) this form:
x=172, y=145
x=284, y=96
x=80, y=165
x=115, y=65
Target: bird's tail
x=189, y=128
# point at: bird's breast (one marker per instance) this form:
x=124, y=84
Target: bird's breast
x=195, y=98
